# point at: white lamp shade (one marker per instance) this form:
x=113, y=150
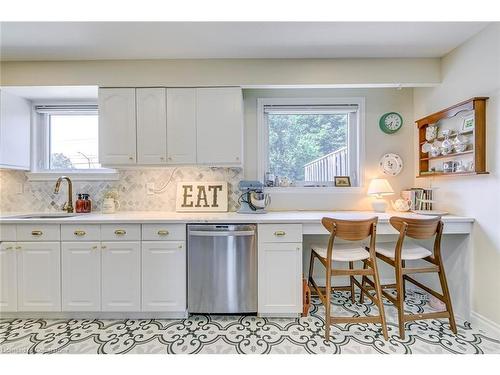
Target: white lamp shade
x=380, y=186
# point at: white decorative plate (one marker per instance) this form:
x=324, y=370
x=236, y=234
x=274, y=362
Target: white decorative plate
x=391, y=164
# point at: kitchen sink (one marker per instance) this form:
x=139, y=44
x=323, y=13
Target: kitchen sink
x=55, y=215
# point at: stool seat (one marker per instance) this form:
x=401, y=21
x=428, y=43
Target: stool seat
x=411, y=251
x=343, y=252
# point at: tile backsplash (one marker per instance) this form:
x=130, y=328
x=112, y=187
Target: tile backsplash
x=38, y=196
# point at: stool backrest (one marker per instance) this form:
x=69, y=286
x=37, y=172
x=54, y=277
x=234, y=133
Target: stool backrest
x=417, y=228
x=350, y=230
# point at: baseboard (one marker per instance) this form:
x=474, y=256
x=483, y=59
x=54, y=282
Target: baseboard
x=484, y=324
x=93, y=315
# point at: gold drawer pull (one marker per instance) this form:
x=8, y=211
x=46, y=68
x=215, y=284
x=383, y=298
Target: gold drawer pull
x=163, y=233
x=120, y=232
x=103, y=247
x=279, y=233
x=36, y=232
x=80, y=233
x=9, y=248
x=18, y=247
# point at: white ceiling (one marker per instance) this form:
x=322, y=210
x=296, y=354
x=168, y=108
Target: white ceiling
x=179, y=40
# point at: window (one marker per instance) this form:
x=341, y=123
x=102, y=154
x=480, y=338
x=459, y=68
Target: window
x=66, y=140
x=310, y=141
x=73, y=141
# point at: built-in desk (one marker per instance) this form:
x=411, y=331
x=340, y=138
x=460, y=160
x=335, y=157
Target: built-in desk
x=285, y=258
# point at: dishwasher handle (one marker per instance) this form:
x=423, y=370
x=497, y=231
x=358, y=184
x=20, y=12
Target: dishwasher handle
x=203, y=233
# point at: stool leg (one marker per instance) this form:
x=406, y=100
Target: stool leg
x=400, y=300
x=327, y=299
x=351, y=278
x=378, y=290
x=403, y=263
x=363, y=281
x=311, y=267
x=446, y=294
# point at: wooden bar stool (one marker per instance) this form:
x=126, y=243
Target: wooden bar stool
x=350, y=230
x=402, y=252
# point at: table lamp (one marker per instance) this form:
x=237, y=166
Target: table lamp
x=378, y=188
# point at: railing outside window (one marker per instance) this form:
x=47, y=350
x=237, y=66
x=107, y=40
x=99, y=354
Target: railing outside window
x=327, y=167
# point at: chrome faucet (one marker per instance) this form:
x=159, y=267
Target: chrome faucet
x=68, y=206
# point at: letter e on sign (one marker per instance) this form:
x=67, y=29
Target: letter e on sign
x=201, y=197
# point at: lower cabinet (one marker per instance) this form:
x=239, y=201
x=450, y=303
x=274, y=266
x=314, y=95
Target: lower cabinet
x=81, y=276
x=121, y=276
x=8, y=276
x=39, y=276
x=280, y=278
x=163, y=276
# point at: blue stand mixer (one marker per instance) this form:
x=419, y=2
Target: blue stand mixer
x=253, y=200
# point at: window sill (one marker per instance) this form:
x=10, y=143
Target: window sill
x=82, y=175
x=314, y=190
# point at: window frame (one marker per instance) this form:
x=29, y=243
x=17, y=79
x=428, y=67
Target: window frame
x=358, y=139
x=40, y=148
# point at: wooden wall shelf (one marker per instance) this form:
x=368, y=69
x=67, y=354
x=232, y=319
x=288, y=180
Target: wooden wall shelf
x=478, y=147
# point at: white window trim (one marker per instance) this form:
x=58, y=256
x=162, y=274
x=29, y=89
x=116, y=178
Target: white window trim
x=263, y=142
x=39, y=156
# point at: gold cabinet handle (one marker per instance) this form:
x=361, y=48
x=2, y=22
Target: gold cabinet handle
x=130, y=158
x=18, y=247
x=163, y=232
x=36, y=233
x=80, y=233
x=103, y=247
x=120, y=232
x=279, y=233
x=94, y=247
x=180, y=246
x=9, y=248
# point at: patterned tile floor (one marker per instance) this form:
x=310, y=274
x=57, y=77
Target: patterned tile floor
x=244, y=334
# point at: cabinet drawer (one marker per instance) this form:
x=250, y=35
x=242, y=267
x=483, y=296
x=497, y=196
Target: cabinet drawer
x=77, y=232
x=33, y=232
x=164, y=232
x=280, y=232
x=7, y=232
x=124, y=232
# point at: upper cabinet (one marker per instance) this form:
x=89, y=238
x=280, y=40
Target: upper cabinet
x=117, y=129
x=151, y=126
x=15, y=125
x=171, y=126
x=219, y=125
x=181, y=126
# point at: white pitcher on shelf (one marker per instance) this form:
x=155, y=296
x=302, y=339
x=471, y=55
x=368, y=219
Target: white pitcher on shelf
x=401, y=205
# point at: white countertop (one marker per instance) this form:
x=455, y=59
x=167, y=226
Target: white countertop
x=213, y=217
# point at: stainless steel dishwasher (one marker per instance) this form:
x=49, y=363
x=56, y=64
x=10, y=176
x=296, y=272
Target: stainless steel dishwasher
x=222, y=268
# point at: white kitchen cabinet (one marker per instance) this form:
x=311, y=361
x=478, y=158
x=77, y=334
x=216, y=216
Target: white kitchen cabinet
x=81, y=276
x=8, y=276
x=181, y=126
x=164, y=276
x=151, y=107
x=39, y=276
x=121, y=276
x=117, y=126
x=15, y=125
x=280, y=278
x=219, y=126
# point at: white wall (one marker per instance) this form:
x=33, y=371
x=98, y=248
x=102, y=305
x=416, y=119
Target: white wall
x=377, y=143
x=220, y=72
x=473, y=69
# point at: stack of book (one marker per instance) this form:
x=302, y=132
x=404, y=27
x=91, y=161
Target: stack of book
x=420, y=199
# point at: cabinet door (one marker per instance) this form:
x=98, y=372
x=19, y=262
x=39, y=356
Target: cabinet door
x=219, y=125
x=39, y=276
x=15, y=125
x=81, y=276
x=8, y=277
x=163, y=276
x=280, y=274
x=181, y=126
x=151, y=126
x=117, y=130
x=121, y=276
